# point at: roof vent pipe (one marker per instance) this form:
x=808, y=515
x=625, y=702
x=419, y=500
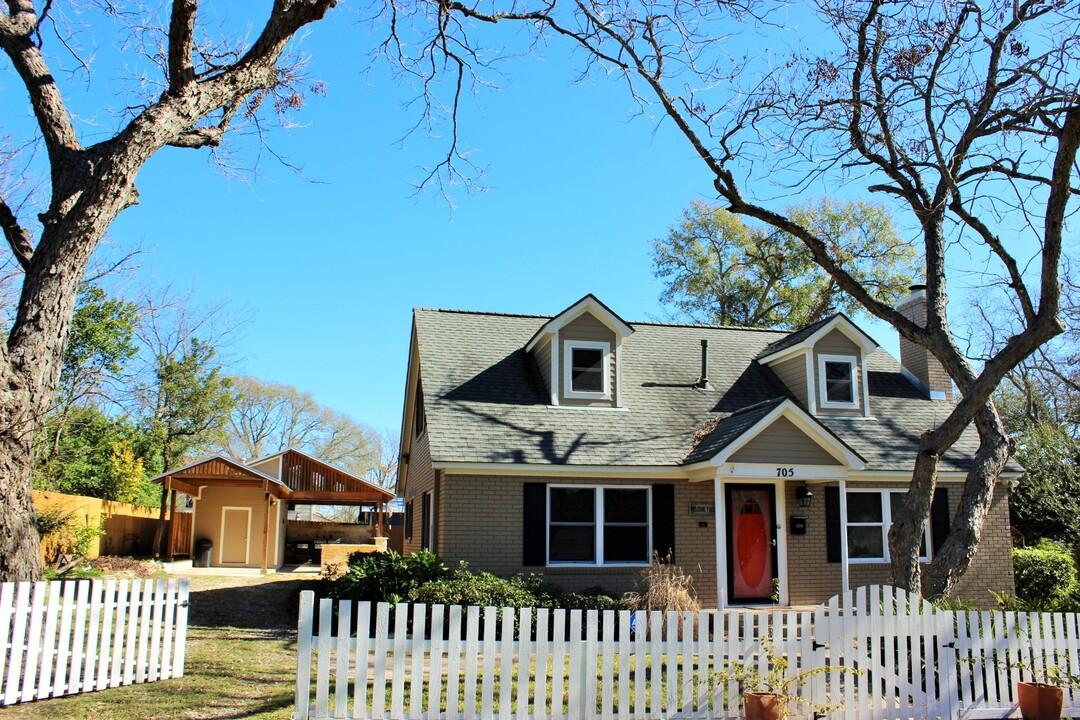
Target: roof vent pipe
x=703, y=382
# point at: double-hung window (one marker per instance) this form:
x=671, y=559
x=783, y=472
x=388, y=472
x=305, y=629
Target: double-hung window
x=586, y=372
x=592, y=525
x=838, y=381
x=869, y=517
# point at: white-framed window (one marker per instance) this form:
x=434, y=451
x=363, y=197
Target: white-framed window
x=599, y=525
x=869, y=517
x=838, y=381
x=586, y=370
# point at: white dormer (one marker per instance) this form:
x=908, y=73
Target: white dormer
x=579, y=353
x=825, y=366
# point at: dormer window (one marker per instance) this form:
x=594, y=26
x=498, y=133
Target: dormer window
x=586, y=370
x=837, y=380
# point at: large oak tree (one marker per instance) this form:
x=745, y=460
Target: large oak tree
x=207, y=85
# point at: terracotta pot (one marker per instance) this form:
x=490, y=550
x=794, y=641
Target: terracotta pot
x=762, y=705
x=1039, y=701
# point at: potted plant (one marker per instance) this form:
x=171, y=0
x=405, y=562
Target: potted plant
x=1042, y=698
x=771, y=695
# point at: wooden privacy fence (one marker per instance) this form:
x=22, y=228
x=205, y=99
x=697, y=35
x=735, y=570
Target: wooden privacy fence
x=62, y=638
x=356, y=660
x=129, y=529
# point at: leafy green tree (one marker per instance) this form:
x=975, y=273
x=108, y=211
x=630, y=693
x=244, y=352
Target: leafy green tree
x=1046, y=501
x=101, y=345
x=95, y=456
x=719, y=269
x=193, y=402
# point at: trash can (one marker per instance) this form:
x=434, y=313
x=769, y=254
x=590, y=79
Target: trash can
x=203, y=549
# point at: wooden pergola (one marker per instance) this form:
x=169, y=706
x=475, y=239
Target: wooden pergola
x=303, y=479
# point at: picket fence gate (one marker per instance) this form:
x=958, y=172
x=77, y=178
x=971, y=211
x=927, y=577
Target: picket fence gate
x=469, y=663
x=67, y=637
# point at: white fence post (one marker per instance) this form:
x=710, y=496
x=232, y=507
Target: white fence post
x=303, y=654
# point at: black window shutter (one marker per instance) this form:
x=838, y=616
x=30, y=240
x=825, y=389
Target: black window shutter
x=408, y=520
x=832, y=524
x=939, y=518
x=534, y=525
x=663, y=520
x=425, y=521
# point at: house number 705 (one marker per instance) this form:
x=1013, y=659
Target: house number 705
x=785, y=472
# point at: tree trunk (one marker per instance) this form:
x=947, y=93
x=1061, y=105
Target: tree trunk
x=952, y=559
x=909, y=522
x=20, y=554
x=954, y=556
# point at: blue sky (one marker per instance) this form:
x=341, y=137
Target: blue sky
x=331, y=266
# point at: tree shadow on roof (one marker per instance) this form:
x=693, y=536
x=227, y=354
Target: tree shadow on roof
x=513, y=380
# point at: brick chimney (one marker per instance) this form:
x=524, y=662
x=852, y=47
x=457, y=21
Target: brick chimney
x=919, y=365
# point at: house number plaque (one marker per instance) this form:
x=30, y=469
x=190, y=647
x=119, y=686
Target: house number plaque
x=702, y=508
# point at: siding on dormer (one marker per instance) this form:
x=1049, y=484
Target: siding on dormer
x=586, y=327
x=793, y=374
x=837, y=343
x=542, y=354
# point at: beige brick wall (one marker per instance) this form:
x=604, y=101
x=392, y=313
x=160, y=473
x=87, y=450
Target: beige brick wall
x=480, y=522
x=420, y=479
x=482, y=518
x=811, y=579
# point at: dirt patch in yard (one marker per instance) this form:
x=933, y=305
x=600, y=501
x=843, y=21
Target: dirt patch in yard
x=265, y=603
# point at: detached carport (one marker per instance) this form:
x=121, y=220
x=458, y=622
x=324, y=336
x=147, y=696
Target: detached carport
x=231, y=498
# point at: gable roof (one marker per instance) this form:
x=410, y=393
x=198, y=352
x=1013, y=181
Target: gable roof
x=311, y=472
x=352, y=482
x=807, y=336
x=730, y=434
x=221, y=470
x=591, y=304
x=486, y=402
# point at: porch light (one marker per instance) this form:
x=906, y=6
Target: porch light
x=804, y=496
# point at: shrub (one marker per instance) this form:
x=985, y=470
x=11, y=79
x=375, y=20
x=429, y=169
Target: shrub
x=387, y=577
x=1044, y=574
x=60, y=533
x=593, y=598
x=483, y=589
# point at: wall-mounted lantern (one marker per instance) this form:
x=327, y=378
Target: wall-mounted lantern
x=804, y=496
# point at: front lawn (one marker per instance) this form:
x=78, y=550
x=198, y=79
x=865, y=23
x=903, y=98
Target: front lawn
x=241, y=661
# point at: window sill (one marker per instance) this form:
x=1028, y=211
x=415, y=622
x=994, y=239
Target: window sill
x=592, y=568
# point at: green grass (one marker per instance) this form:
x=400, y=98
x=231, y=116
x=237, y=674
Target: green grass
x=241, y=662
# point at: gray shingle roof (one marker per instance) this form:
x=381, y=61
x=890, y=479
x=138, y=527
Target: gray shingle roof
x=486, y=401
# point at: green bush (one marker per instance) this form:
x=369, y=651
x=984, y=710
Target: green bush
x=387, y=577
x=1045, y=575
x=483, y=589
x=593, y=598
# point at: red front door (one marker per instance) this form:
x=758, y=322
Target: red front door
x=751, y=535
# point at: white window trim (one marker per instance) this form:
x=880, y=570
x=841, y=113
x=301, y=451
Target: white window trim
x=886, y=523
x=853, y=362
x=568, y=355
x=598, y=521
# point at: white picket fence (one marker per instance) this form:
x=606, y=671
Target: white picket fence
x=450, y=663
x=67, y=637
